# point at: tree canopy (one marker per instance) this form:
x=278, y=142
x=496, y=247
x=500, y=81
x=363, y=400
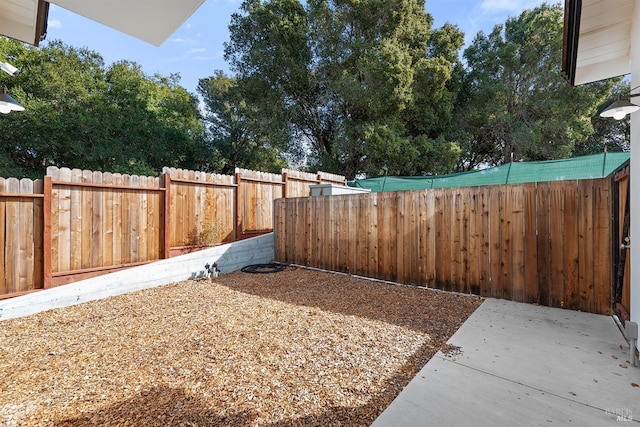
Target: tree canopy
x=83, y=114
x=353, y=82
x=516, y=106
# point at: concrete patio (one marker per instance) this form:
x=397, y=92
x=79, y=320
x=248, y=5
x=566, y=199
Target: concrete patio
x=521, y=364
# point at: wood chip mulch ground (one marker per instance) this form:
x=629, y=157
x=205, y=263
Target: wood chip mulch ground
x=298, y=347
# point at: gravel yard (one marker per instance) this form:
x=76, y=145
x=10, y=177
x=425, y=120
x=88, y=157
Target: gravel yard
x=298, y=347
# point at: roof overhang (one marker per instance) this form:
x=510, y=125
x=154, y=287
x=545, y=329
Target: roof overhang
x=597, y=39
x=152, y=21
x=24, y=20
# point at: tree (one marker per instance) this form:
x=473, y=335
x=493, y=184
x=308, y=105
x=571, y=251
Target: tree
x=82, y=114
x=608, y=134
x=237, y=136
x=516, y=104
x=362, y=84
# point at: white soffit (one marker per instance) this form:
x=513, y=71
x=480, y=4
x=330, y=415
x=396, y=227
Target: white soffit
x=604, y=44
x=19, y=20
x=150, y=20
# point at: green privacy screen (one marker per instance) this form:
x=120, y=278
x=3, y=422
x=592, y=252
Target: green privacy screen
x=586, y=167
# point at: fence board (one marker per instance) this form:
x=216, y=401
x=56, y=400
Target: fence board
x=571, y=256
x=530, y=244
x=12, y=268
x=585, y=251
x=602, y=255
x=428, y=232
x=473, y=247
x=485, y=242
x=495, y=238
x=4, y=279
x=26, y=236
x=556, y=221
x=517, y=239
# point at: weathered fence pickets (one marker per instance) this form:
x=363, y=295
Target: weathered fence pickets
x=75, y=224
x=548, y=243
x=21, y=206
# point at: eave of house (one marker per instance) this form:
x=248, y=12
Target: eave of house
x=152, y=21
x=597, y=39
x=24, y=20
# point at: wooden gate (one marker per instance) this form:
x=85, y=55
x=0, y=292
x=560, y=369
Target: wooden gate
x=622, y=284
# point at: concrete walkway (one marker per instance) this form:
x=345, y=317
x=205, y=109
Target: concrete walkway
x=525, y=365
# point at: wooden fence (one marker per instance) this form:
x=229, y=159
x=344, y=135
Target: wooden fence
x=548, y=243
x=75, y=224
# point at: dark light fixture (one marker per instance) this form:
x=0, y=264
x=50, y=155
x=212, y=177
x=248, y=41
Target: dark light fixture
x=7, y=103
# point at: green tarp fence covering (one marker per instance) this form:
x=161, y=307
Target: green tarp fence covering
x=586, y=167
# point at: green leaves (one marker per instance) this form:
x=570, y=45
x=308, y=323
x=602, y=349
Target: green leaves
x=358, y=82
x=518, y=103
x=83, y=114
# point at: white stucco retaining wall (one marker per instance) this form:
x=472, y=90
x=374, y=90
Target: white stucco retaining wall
x=229, y=257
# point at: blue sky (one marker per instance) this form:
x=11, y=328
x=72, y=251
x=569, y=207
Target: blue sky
x=195, y=50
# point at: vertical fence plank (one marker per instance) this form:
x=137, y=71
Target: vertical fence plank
x=76, y=221
x=38, y=235
x=473, y=249
x=446, y=258
x=118, y=201
x=517, y=238
x=398, y=253
x=4, y=282
x=495, y=237
x=530, y=244
x=86, y=218
x=465, y=241
x=64, y=226
x=602, y=257
x=12, y=236
x=47, y=235
x=485, y=241
x=586, y=241
x=543, y=243
x=457, y=245
x=428, y=231
x=107, y=220
x=439, y=239
x=506, y=224
x=372, y=235
x=556, y=221
x=571, y=256
x=27, y=236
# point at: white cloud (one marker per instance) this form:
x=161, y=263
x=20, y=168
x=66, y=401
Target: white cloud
x=195, y=50
x=54, y=23
x=508, y=6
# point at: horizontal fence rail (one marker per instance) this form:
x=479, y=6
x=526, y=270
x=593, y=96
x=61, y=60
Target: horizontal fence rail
x=75, y=224
x=548, y=243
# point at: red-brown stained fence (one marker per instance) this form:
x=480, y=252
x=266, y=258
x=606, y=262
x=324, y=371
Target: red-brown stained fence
x=21, y=205
x=548, y=243
x=76, y=224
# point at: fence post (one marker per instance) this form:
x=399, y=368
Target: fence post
x=285, y=179
x=46, y=232
x=238, y=206
x=166, y=246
